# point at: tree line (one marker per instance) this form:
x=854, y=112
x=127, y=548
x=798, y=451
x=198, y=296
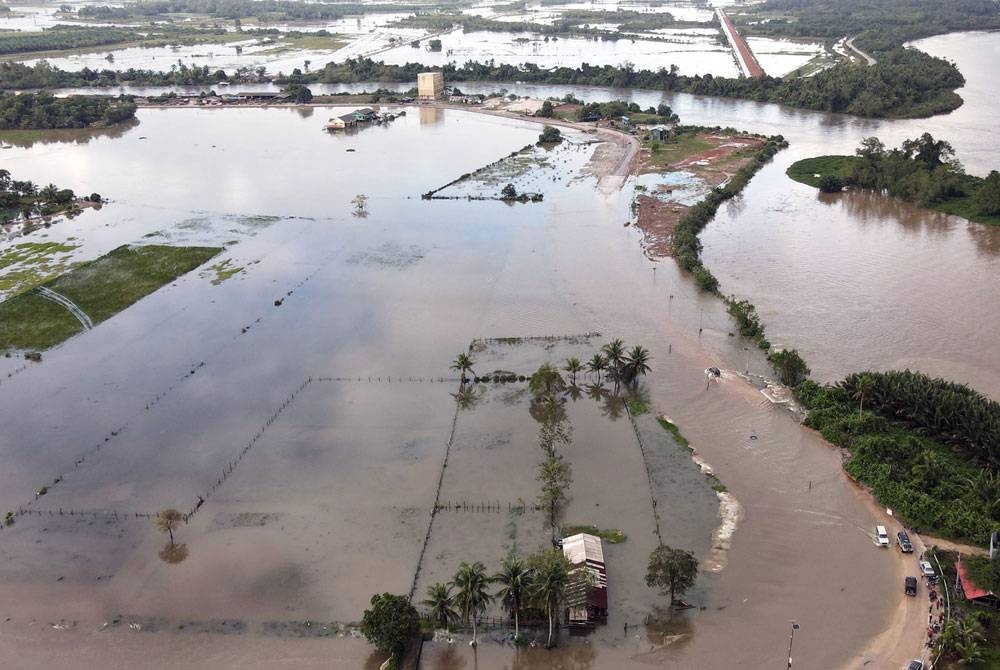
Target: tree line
x=928, y=448
x=239, y=9
x=904, y=83
x=44, y=111
x=27, y=199
x=880, y=26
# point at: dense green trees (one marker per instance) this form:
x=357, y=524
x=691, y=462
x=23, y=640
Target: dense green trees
x=549, y=136
x=62, y=37
x=930, y=449
x=671, y=571
x=987, y=199
x=904, y=82
x=790, y=366
x=881, y=26
x=24, y=198
x=390, y=622
x=44, y=111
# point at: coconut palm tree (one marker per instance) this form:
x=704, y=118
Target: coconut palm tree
x=614, y=352
x=573, y=366
x=440, y=605
x=636, y=364
x=514, y=579
x=472, y=596
x=463, y=363
x=863, y=389
x=548, y=586
x=597, y=364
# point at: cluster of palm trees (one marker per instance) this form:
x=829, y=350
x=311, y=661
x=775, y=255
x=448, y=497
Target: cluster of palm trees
x=619, y=364
x=26, y=198
x=539, y=583
x=961, y=639
x=614, y=361
x=953, y=413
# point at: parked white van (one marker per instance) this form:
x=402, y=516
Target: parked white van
x=881, y=536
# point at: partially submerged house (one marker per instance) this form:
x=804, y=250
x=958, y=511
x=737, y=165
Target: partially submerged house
x=587, y=597
x=341, y=122
x=973, y=593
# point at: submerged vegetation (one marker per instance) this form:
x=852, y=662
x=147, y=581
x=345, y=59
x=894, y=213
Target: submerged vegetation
x=99, y=289
x=922, y=170
x=928, y=448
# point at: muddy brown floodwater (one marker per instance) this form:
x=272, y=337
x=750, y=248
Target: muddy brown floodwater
x=316, y=431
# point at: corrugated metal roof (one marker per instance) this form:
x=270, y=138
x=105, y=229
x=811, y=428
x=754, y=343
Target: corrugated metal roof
x=972, y=592
x=583, y=548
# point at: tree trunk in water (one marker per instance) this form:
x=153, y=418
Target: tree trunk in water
x=475, y=642
x=517, y=630
x=548, y=645
x=171, y=532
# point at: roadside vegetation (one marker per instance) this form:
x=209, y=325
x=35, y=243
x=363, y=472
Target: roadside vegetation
x=43, y=111
x=100, y=288
x=922, y=170
x=929, y=449
x=971, y=635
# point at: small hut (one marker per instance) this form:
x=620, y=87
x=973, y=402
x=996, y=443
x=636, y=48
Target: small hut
x=587, y=598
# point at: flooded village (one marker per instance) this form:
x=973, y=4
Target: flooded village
x=317, y=362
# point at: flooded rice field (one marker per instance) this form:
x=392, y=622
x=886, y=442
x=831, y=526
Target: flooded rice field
x=302, y=410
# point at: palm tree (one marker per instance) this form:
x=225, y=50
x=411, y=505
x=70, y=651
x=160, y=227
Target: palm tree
x=472, y=597
x=168, y=520
x=514, y=579
x=637, y=363
x=863, y=389
x=548, y=587
x=463, y=363
x=440, y=604
x=598, y=364
x=573, y=366
x=614, y=351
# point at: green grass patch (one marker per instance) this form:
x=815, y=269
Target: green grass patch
x=101, y=288
x=609, y=536
x=809, y=171
x=637, y=406
x=671, y=428
x=29, y=264
x=224, y=270
x=677, y=148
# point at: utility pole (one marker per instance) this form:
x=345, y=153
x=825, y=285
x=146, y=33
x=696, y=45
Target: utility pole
x=791, y=639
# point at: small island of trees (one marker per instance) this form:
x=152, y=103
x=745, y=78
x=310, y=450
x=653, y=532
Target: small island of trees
x=25, y=199
x=922, y=170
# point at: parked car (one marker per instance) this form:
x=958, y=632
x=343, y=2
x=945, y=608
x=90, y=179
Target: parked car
x=881, y=536
x=910, y=586
x=927, y=570
x=915, y=665
x=904, y=542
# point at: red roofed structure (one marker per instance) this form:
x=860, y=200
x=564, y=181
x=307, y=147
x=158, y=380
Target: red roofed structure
x=973, y=593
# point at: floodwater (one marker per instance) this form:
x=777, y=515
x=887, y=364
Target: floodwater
x=327, y=478
x=313, y=430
